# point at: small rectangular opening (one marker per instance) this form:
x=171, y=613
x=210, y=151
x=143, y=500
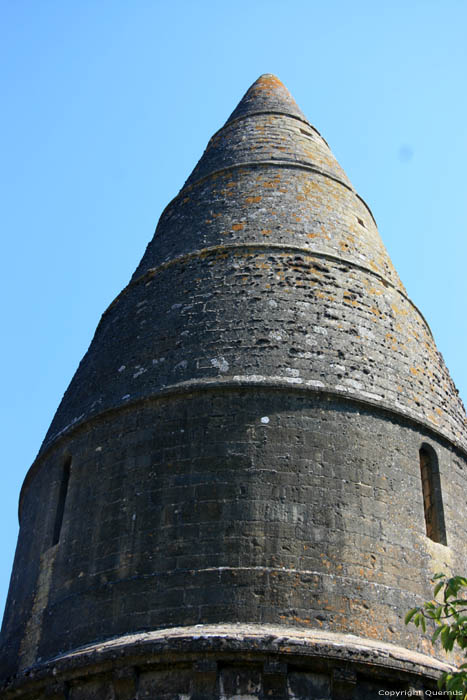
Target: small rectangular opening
x=62, y=493
x=432, y=497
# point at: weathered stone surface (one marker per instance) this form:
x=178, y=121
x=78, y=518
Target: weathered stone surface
x=267, y=263
x=244, y=435
x=297, y=519
x=228, y=661
x=268, y=95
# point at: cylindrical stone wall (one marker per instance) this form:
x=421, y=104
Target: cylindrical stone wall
x=248, y=504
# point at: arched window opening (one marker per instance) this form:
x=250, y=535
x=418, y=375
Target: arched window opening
x=432, y=497
x=62, y=493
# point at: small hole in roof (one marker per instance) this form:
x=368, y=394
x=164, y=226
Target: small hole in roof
x=361, y=222
x=306, y=133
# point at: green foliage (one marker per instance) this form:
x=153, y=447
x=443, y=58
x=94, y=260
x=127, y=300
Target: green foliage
x=449, y=615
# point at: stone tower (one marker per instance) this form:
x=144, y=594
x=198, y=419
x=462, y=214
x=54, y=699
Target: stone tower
x=256, y=467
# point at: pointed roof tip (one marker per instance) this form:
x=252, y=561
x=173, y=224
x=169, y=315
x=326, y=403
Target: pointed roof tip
x=267, y=94
x=269, y=76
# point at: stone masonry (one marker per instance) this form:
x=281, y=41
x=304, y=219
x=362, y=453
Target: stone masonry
x=228, y=503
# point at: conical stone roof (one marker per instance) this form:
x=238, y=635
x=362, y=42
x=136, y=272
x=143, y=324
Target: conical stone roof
x=267, y=268
x=267, y=95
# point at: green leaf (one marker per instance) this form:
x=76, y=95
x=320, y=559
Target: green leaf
x=410, y=615
x=450, y=640
x=437, y=588
x=438, y=575
x=444, y=635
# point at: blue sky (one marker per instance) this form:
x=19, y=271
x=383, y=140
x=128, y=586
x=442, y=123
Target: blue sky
x=106, y=108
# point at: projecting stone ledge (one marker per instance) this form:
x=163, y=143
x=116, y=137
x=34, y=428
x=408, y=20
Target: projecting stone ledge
x=203, y=661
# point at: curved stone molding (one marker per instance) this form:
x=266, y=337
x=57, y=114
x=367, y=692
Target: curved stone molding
x=259, y=658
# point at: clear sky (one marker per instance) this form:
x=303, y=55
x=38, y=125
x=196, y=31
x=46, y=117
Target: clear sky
x=106, y=108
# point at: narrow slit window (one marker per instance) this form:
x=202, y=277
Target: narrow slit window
x=61, y=501
x=432, y=497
